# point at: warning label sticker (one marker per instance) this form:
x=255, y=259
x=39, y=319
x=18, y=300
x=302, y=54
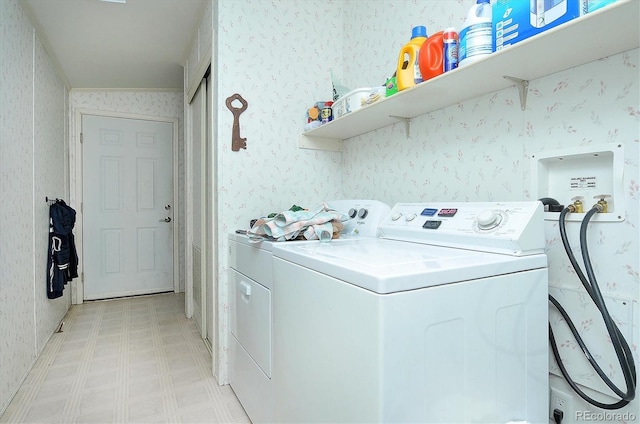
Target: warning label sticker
x=578, y=183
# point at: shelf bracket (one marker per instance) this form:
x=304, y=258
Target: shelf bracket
x=319, y=143
x=407, y=123
x=523, y=89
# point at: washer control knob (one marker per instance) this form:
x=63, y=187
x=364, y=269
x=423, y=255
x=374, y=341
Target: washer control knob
x=352, y=213
x=410, y=217
x=488, y=219
x=396, y=216
x=362, y=213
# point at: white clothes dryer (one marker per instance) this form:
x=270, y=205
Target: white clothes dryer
x=443, y=319
x=251, y=287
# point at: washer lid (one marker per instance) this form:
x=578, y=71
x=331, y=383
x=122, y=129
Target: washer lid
x=267, y=245
x=389, y=266
x=244, y=239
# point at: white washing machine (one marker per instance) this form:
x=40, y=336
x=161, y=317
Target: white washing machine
x=443, y=319
x=251, y=287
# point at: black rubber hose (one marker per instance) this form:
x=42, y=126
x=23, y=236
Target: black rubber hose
x=583, y=346
x=567, y=248
x=621, y=346
x=594, y=292
x=574, y=386
x=619, y=343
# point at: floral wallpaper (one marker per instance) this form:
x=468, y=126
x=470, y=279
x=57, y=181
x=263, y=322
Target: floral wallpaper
x=593, y=105
x=51, y=173
x=276, y=55
x=481, y=150
x=33, y=165
x=477, y=150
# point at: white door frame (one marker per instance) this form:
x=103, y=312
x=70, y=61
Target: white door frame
x=77, y=285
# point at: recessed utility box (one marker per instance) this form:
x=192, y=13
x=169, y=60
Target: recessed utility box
x=588, y=172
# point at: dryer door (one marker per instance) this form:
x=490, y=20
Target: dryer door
x=250, y=318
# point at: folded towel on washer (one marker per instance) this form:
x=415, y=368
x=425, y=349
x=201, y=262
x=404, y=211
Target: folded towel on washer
x=322, y=232
x=289, y=225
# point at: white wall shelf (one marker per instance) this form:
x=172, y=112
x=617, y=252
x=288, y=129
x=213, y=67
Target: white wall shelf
x=608, y=31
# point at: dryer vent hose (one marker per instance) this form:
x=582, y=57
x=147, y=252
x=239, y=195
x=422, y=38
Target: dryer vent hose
x=620, y=345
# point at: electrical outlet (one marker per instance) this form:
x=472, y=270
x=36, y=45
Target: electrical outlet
x=562, y=401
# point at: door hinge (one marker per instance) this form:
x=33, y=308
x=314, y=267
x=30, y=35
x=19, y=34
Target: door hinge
x=81, y=138
x=82, y=277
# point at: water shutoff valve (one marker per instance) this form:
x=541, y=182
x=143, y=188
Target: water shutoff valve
x=576, y=206
x=602, y=204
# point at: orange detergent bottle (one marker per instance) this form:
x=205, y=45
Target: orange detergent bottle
x=430, y=58
x=408, y=72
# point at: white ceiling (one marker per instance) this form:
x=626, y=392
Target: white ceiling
x=140, y=44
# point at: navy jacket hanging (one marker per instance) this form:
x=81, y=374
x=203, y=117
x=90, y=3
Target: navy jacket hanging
x=62, y=264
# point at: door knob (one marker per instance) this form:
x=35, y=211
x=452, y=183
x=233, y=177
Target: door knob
x=167, y=207
x=167, y=219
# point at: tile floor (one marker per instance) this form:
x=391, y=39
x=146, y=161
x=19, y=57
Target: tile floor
x=124, y=361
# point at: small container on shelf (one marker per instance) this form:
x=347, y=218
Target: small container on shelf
x=350, y=102
x=430, y=57
x=450, y=49
x=317, y=115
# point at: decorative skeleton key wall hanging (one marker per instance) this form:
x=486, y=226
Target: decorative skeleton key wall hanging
x=237, y=142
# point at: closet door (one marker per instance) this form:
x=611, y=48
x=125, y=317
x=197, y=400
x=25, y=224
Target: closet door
x=197, y=199
x=210, y=196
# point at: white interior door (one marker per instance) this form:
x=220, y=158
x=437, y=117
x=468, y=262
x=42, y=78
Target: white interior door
x=127, y=206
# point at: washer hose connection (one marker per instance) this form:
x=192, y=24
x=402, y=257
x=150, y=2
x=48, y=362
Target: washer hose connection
x=620, y=345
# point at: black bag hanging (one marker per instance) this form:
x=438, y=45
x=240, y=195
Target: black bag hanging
x=62, y=263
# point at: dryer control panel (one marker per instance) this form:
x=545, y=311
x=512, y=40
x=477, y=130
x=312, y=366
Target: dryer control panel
x=514, y=228
x=364, y=216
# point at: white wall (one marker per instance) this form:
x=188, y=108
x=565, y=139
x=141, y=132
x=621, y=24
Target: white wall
x=481, y=149
x=276, y=55
x=33, y=165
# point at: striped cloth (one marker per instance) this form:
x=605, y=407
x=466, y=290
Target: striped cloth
x=288, y=225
